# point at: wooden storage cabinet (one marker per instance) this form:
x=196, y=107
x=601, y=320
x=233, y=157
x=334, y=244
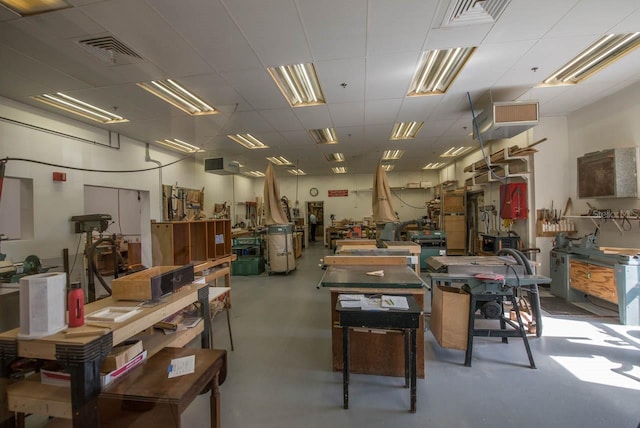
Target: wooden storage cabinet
x=595, y=280
x=178, y=243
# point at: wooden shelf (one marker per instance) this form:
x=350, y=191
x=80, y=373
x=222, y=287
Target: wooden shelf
x=31, y=396
x=179, y=243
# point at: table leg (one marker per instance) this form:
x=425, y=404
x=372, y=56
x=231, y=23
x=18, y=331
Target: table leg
x=345, y=366
x=215, y=402
x=472, y=312
x=503, y=324
x=523, y=333
x=83, y=364
x=205, y=312
x=413, y=369
x=407, y=360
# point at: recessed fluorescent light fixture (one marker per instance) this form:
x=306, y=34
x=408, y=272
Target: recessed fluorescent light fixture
x=455, y=151
x=388, y=167
x=323, y=136
x=434, y=165
x=334, y=157
x=255, y=173
x=298, y=83
x=279, y=160
x=392, y=154
x=405, y=130
x=600, y=54
x=297, y=172
x=33, y=7
x=248, y=141
x=80, y=108
x=179, y=145
x=437, y=69
x=339, y=170
x=176, y=95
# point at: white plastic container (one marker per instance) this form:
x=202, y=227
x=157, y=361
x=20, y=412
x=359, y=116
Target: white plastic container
x=42, y=304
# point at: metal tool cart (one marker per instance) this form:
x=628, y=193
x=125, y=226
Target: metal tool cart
x=280, y=255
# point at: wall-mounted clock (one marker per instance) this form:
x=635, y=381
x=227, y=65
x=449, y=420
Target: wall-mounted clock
x=313, y=191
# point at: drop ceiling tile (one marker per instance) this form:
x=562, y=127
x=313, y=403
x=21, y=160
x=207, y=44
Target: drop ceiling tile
x=525, y=20
x=283, y=119
x=456, y=37
x=314, y=117
x=393, y=29
x=335, y=28
x=347, y=114
x=210, y=30
x=40, y=73
x=382, y=112
x=242, y=122
x=389, y=76
x=436, y=128
x=257, y=87
x=155, y=40
x=590, y=17
x=257, y=20
x=333, y=74
x=417, y=108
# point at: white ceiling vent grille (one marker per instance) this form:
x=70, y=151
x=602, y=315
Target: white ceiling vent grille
x=110, y=50
x=470, y=12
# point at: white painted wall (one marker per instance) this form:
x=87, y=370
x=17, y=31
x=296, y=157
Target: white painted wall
x=610, y=123
x=55, y=202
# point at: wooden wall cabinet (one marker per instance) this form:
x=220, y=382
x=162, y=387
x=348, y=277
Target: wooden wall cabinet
x=177, y=243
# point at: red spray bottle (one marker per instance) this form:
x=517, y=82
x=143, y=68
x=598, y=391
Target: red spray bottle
x=76, y=305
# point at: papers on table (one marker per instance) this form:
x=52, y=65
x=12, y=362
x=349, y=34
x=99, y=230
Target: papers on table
x=382, y=303
x=395, y=302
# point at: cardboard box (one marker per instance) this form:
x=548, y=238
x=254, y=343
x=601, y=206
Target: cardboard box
x=107, y=378
x=450, y=317
x=121, y=354
x=55, y=376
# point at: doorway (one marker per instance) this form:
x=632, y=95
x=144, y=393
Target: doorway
x=316, y=208
x=476, y=223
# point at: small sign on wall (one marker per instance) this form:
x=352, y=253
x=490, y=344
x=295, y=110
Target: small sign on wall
x=334, y=193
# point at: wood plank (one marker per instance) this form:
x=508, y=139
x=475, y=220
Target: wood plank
x=595, y=280
x=31, y=396
x=366, y=260
x=355, y=242
x=620, y=250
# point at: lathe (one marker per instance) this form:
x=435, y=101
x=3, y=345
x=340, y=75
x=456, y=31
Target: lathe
x=584, y=272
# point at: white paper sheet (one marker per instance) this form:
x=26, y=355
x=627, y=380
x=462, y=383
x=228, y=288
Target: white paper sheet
x=182, y=366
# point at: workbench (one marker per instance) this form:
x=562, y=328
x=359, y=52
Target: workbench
x=372, y=352
x=407, y=321
x=83, y=356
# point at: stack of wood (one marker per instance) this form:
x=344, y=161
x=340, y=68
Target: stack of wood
x=501, y=156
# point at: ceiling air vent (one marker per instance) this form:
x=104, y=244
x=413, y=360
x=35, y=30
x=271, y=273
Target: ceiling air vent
x=470, y=12
x=110, y=50
x=506, y=119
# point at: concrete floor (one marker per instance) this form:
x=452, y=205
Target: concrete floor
x=280, y=373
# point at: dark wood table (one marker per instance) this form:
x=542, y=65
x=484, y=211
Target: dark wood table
x=147, y=397
x=372, y=353
x=406, y=320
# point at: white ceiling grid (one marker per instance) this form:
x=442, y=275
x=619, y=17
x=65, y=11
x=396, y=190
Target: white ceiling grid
x=220, y=49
